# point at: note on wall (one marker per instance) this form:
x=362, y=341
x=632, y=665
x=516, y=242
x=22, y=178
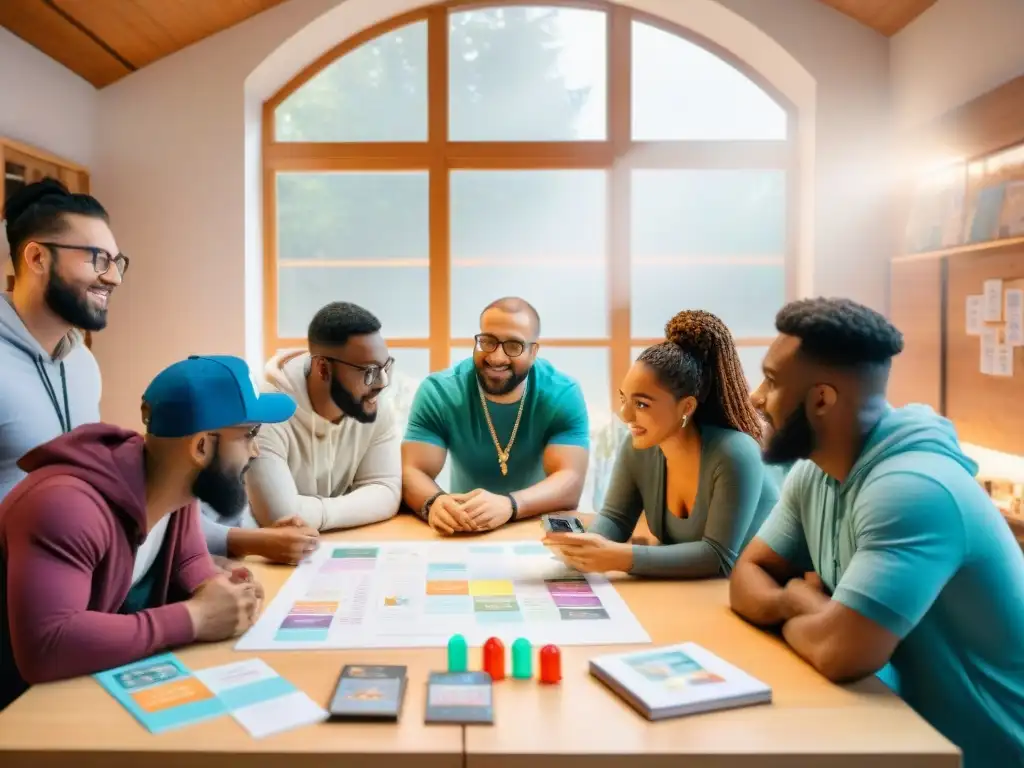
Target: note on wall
x=974, y=313
x=1003, y=361
x=1015, y=317
x=993, y=311
x=989, y=342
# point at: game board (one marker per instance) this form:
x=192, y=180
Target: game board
x=418, y=594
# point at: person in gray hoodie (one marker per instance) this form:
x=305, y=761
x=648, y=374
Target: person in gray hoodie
x=66, y=266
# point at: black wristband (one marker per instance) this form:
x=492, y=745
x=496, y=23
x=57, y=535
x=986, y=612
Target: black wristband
x=425, y=509
x=515, y=508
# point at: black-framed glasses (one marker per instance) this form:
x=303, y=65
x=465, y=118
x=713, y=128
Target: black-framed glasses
x=511, y=347
x=101, y=258
x=372, y=372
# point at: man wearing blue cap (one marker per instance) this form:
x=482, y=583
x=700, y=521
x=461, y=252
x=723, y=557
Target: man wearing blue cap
x=102, y=559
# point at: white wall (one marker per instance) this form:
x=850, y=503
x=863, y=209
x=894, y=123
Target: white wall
x=954, y=52
x=45, y=104
x=173, y=141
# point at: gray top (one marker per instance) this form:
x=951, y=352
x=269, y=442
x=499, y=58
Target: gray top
x=735, y=493
x=42, y=393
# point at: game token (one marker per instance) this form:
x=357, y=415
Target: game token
x=522, y=667
x=550, y=664
x=494, y=658
x=458, y=654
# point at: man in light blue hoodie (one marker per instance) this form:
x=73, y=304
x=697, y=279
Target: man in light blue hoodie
x=884, y=551
x=67, y=265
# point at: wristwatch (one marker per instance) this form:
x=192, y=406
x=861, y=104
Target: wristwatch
x=515, y=508
x=425, y=509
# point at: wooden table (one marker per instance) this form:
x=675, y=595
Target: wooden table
x=810, y=723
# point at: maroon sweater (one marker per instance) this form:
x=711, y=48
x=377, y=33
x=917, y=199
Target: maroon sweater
x=69, y=532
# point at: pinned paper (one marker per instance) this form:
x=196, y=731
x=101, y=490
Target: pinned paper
x=993, y=311
x=989, y=342
x=974, y=313
x=1014, y=317
x=1003, y=360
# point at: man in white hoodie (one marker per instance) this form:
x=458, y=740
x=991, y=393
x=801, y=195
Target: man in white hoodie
x=337, y=463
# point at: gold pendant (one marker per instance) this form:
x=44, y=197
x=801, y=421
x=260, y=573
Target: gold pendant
x=504, y=467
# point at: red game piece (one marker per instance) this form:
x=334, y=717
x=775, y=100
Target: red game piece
x=494, y=658
x=550, y=664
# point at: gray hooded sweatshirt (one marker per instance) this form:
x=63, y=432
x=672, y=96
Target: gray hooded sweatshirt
x=42, y=394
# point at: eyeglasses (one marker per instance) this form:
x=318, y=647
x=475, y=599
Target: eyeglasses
x=511, y=347
x=372, y=372
x=101, y=259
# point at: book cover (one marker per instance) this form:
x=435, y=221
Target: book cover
x=161, y=693
x=678, y=680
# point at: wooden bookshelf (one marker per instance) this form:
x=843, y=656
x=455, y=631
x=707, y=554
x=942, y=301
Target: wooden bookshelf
x=959, y=250
x=962, y=224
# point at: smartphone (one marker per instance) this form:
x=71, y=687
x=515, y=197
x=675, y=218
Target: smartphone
x=561, y=524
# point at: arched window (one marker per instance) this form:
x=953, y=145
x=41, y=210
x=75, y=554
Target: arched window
x=608, y=168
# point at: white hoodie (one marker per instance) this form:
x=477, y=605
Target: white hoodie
x=331, y=475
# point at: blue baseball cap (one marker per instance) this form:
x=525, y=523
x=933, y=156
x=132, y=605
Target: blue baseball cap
x=206, y=393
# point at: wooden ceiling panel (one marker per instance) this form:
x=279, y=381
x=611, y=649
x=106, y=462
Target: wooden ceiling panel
x=104, y=40
x=142, y=31
x=884, y=16
x=39, y=25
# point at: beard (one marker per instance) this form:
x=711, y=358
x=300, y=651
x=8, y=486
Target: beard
x=514, y=380
x=349, y=405
x=219, y=487
x=792, y=441
x=72, y=305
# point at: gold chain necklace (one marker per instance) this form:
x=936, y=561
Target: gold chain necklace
x=502, y=454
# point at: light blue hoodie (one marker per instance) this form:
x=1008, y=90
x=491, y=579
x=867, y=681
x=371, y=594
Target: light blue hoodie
x=42, y=394
x=911, y=541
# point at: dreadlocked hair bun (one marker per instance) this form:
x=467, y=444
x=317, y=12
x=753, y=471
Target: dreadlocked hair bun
x=697, y=331
x=726, y=394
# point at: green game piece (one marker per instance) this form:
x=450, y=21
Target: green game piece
x=522, y=661
x=458, y=654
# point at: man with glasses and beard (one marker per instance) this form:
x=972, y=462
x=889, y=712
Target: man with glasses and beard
x=102, y=561
x=337, y=462
x=884, y=554
x=67, y=265
x=515, y=428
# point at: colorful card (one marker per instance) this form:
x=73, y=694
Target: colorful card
x=369, y=692
x=260, y=700
x=460, y=697
x=163, y=694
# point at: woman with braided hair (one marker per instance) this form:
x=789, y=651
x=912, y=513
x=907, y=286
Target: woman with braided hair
x=692, y=462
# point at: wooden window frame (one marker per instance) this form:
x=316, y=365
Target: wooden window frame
x=618, y=154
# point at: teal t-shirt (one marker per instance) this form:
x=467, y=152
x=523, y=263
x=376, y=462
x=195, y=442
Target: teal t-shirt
x=447, y=412
x=912, y=542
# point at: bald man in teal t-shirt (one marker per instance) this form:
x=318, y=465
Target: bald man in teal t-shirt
x=514, y=428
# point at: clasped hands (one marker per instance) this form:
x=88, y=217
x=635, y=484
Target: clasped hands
x=802, y=595
x=472, y=512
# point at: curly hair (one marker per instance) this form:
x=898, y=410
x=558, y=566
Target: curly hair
x=699, y=359
x=840, y=332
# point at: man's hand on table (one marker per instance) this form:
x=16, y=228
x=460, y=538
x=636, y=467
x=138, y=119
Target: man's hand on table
x=288, y=541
